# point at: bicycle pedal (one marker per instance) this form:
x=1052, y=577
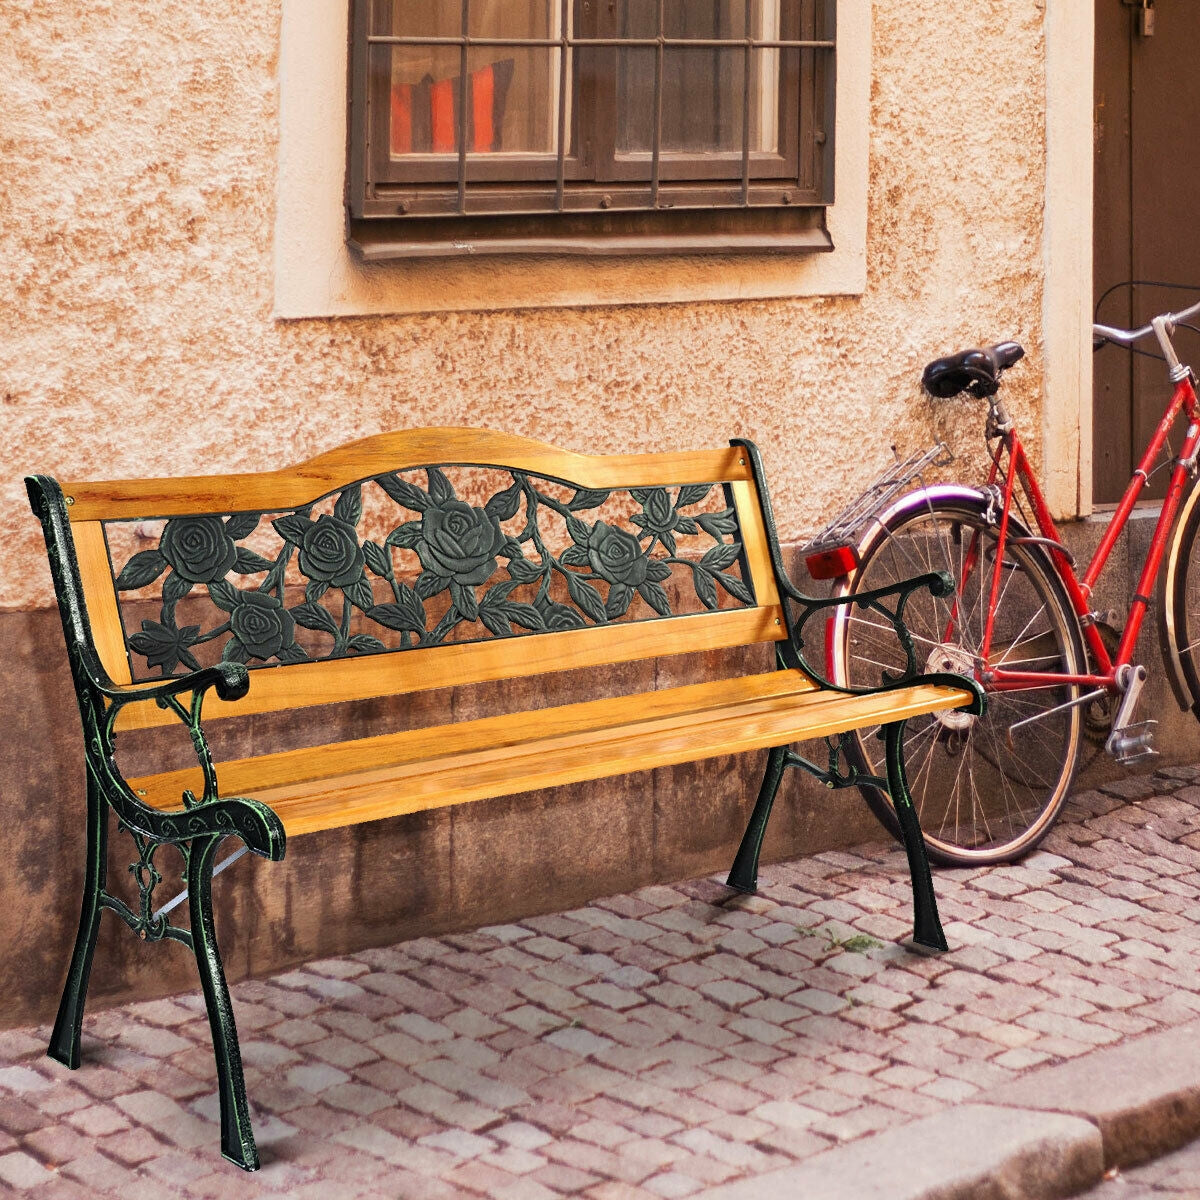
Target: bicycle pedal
x=1133, y=743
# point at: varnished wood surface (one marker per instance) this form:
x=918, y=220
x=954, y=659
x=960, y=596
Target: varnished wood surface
x=294, y=486
x=373, y=778
x=754, y=542
x=100, y=597
x=300, y=685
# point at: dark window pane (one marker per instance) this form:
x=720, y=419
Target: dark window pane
x=703, y=89
x=703, y=93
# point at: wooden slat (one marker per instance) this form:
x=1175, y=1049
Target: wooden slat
x=301, y=685
x=754, y=540
x=291, y=487
x=498, y=756
x=100, y=597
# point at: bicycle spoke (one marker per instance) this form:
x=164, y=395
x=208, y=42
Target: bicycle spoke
x=978, y=800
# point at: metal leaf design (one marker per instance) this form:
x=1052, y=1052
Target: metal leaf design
x=467, y=571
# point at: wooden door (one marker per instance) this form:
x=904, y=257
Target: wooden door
x=1147, y=216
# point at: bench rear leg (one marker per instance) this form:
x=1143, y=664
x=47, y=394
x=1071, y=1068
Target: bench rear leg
x=64, y=1040
x=237, y=1134
x=927, y=927
x=744, y=875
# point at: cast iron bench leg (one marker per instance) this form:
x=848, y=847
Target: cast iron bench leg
x=64, y=1041
x=927, y=927
x=237, y=1134
x=744, y=874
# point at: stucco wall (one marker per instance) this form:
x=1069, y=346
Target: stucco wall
x=137, y=209
x=136, y=278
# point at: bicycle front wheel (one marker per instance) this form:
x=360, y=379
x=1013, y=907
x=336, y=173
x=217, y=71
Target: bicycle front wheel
x=987, y=789
x=1181, y=591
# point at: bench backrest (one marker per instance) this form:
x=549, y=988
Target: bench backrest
x=418, y=560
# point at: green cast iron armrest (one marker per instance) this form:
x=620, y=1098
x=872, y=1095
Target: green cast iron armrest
x=938, y=583
x=251, y=820
x=791, y=651
x=231, y=681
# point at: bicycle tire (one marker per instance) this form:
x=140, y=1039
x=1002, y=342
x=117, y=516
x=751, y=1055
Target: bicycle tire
x=1181, y=591
x=981, y=797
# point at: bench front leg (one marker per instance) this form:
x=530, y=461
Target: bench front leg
x=927, y=926
x=64, y=1040
x=237, y=1134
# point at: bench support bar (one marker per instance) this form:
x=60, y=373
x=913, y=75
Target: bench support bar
x=927, y=927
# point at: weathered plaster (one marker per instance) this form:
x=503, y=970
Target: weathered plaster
x=137, y=278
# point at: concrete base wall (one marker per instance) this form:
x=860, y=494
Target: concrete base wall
x=427, y=873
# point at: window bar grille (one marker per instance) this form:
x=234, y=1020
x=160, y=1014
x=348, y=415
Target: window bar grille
x=560, y=184
x=462, y=108
x=747, y=56
x=656, y=146
x=567, y=45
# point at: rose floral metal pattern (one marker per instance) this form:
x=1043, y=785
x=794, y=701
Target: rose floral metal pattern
x=606, y=573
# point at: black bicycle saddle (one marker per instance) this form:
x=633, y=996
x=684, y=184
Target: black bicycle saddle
x=976, y=371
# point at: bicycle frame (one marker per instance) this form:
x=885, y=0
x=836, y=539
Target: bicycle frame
x=1079, y=590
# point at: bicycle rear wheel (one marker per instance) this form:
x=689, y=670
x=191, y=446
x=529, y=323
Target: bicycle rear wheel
x=987, y=789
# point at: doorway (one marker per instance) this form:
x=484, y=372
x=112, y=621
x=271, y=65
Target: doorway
x=1147, y=215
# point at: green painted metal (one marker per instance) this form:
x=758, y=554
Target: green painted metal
x=799, y=609
x=197, y=830
x=460, y=548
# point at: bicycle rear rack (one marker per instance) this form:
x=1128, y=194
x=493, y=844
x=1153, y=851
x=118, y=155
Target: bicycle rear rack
x=831, y=552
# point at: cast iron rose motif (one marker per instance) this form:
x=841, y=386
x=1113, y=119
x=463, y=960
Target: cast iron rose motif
x=617, y=556
x=198, y=548
x=262, y=626
x=330, y=553
x=661, y=519
x=605, y=571
x=459, y=543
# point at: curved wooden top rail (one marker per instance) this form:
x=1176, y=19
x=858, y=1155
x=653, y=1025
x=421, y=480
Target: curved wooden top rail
x=293, y=487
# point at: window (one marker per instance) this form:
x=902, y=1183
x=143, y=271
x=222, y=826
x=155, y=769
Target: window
x=590, y=126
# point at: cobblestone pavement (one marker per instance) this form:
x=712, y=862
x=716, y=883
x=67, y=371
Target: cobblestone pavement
x=646, y=1045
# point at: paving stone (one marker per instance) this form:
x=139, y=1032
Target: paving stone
x=21, y=1171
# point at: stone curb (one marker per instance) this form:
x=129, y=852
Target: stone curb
x=1050, y=1134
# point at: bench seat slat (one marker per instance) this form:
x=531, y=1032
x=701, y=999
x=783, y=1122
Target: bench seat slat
x=319, y=788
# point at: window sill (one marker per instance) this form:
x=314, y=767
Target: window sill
x=373, y=242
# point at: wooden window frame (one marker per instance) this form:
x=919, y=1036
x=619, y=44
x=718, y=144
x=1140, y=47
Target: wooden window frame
x=594, y=201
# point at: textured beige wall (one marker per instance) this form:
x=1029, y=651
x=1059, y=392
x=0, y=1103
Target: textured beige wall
x=138, y=143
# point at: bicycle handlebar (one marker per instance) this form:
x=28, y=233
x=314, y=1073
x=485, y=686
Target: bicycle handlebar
x=1126, y=337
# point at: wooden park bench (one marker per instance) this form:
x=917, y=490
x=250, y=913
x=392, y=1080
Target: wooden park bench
x=420, y=560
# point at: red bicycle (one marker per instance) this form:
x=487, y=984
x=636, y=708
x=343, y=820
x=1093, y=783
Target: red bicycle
x=1020, y=620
